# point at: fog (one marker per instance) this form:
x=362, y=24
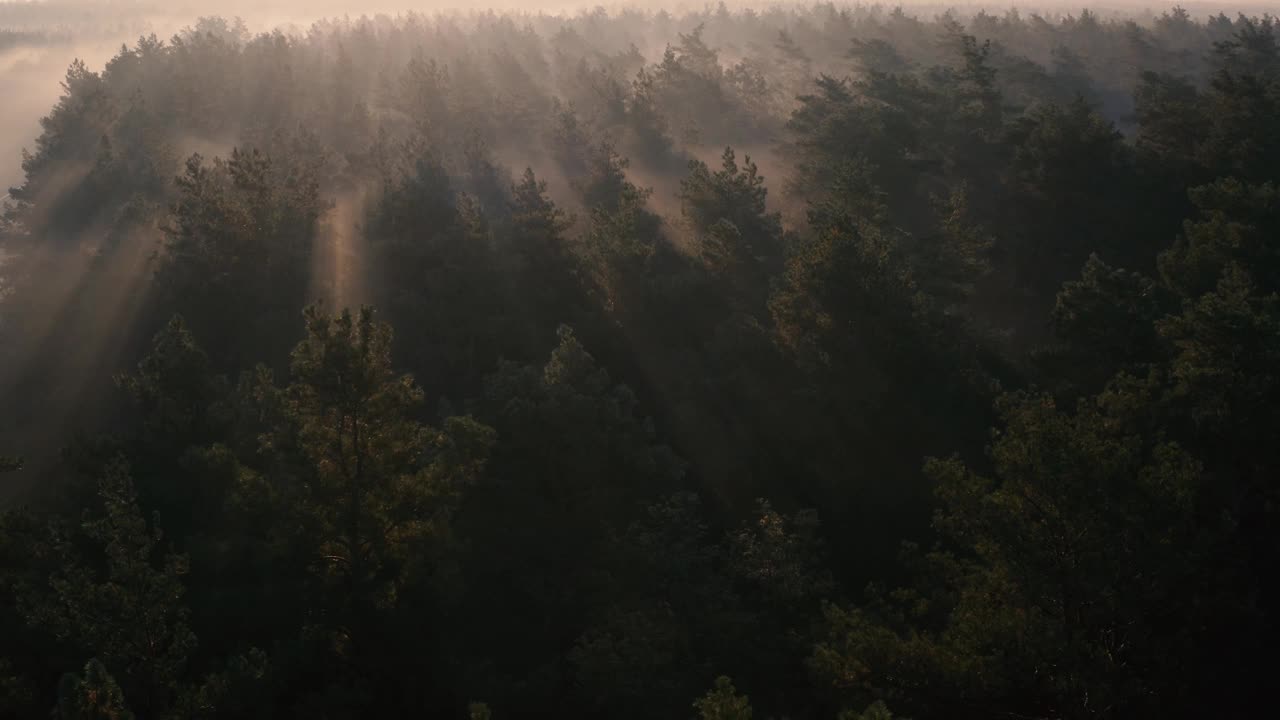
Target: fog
x=553, y=68
x=40, y=38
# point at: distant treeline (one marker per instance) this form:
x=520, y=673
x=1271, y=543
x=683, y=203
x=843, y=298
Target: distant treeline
x=17, y=38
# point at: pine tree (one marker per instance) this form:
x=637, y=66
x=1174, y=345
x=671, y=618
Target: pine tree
x=378, y=485
x=91, y=696
x=129, y=613
x=723, y=702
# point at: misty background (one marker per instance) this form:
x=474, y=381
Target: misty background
x=40, y=38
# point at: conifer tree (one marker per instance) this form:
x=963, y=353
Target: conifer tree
x=130, y=613
x=723, y=702
x=91, y=696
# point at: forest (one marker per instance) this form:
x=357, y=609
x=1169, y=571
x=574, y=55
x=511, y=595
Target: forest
x=809, y=360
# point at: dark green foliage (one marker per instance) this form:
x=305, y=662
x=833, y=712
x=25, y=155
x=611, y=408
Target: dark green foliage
x=1057, y=540
x=723, y=703
x=1243, y=93
x=1236, y=226
x=239, y=246
x=368, y=493
x=174, y=389
x=575, y=462
x=547, y=274
x=765, y=449
x=129, y=614
x=727, y=209
x=875, y=711
x=95, y=696
x=1104, y=323
x=71, y=135
x=433, y=249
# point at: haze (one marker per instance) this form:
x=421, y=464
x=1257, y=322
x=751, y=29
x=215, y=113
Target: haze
x=93, y=30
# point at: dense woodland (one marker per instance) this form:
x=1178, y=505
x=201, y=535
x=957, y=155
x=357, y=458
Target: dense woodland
x=808, y=362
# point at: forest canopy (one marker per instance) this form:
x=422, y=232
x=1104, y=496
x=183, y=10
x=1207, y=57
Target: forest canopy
x=791, y=361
